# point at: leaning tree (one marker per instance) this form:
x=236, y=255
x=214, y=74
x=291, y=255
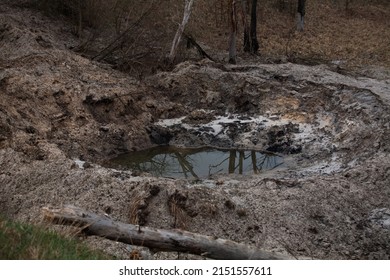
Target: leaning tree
x=179, y=33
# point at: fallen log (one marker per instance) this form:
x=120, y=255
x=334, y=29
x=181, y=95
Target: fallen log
x=156, y=239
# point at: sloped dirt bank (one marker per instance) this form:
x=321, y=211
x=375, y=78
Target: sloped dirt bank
x=50, y=93
x=57, y=106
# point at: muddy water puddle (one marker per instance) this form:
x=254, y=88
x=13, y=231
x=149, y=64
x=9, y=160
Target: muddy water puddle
x=200, y=163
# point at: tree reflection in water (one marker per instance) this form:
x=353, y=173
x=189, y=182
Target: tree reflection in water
x=201, y=163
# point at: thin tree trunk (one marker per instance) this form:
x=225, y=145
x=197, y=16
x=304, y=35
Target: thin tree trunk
x=301, y=14
x=180, y=30
x=245, y=15
x=163, y=240
x=251, y=44
x=253, y=32
x=233, y=33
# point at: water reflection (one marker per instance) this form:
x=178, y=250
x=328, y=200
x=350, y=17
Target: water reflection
x=197, y=163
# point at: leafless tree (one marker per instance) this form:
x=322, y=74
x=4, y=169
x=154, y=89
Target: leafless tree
x=179, y=33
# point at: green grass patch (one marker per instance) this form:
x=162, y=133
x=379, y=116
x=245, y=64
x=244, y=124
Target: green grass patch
x=19, y=241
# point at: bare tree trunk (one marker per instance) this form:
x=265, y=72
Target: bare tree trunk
x=253, y=32
x=163, y=240
x=180, y=30
x=301, y=14
x=251, y=44
x=233, y=33
x=245, y=15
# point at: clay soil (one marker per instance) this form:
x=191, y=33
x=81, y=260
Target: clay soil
x=331, y=124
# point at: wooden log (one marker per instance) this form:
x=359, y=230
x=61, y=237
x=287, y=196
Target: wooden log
x=156, y=239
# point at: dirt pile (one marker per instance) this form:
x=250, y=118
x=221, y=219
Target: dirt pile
x=332, y=127
x=51, y=94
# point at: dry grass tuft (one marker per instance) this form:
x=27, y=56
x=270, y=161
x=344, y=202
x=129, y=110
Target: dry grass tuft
x=177, y=205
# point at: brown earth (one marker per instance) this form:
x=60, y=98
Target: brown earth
x=332, y=125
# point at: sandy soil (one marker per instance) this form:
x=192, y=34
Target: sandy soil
x=57, y=107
